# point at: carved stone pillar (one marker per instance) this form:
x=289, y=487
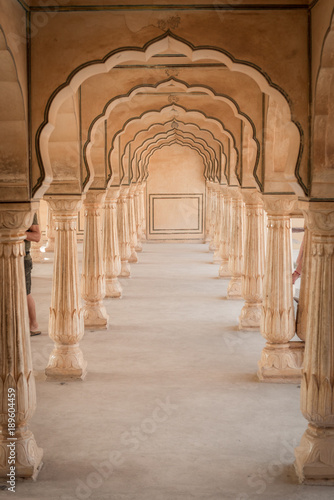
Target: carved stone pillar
x=208, y=212
x=253, y=271
x=213, y=218
x=93, y=288
x=132, y=225
x=281, y=360
x=304, y=287
x=142, y=199
x=123, y=232
x=138, y=218
x=16, y=378
x=218, y=222
x=50, y=233
x=66, y=322
x=224, y=247
x=234, y=290
x=111, y=254
x=315, y=455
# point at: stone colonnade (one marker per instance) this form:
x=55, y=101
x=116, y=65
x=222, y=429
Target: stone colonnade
x=265, y=284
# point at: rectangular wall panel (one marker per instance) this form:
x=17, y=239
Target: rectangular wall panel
x=177, y=215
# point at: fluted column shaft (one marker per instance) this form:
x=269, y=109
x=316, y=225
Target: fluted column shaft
x=236, y=244
x=315, y=455
x=213, y=212
x=124, y=232
x=18, y=393
x=111, y=253
x=253, y=270
x=281, y=359
x=50, y=233
x=138, y=219
x=304, y=287
x=132, y=225
x=142, y=199
x=218, y=222
x=66, y=321
x=224, y=247
x=208, y=212
x=93, y=288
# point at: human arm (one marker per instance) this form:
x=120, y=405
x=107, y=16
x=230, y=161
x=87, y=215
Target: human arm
x=34, y=233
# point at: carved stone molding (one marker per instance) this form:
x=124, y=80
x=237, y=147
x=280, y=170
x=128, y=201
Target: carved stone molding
x=16, y=372
x=281, y=363
x=16, y=220
x=66, y=322
x=93, y=279
x=280, y=204
x=314, y=456
x=124, y=232
x=111, y=253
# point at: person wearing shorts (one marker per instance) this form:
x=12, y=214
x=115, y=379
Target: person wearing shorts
x=33, y=234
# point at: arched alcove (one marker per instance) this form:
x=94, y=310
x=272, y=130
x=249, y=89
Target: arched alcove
x=169, y=43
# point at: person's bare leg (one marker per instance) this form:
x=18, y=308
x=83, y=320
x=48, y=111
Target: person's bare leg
x=32, y=313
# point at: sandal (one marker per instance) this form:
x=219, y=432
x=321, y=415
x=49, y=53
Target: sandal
x=33, y=333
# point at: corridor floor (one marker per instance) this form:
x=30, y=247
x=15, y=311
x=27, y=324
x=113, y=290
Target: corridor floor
x=171, y=408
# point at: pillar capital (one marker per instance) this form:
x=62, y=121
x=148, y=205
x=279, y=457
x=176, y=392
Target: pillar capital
x=124, y=191
x=281, y=204
x=95, y=198
x=65, y=204
x=15, y=220
x=252, y=197
x=319, y=217
x=113, y=194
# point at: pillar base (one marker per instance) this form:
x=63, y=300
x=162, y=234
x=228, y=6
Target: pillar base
x=212, y=246
x=113, y=288
x=95, y=315
x=250, y=317
x=234, y=290
x=28, y=456
x=66, y=363
x=216, y=257
x=224, y=271
x=125, y=269
x=139, y=247
x=134, y=257
x=315, y=456
x=281, y=363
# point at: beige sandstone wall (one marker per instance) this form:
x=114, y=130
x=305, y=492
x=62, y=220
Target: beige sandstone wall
x=274, y=41
x=175, y=195
x=320, y=21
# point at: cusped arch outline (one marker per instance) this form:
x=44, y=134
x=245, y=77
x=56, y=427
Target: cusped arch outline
x=167, y=41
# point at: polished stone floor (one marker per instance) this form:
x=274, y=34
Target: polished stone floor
x=171, y=408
